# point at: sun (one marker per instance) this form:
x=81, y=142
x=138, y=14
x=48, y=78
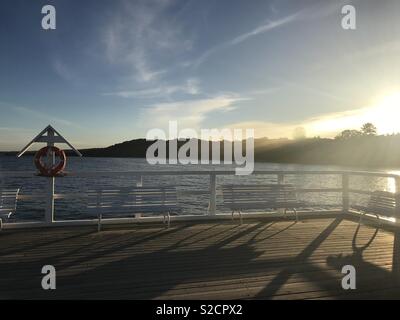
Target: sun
x=385, y=113
x=391, y=101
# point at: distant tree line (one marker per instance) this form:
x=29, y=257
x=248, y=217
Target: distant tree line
x=367, y=130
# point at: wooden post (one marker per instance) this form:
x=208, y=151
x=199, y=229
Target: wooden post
x=213, y=194
x=345, y=192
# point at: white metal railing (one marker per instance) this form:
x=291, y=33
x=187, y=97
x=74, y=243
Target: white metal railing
x=49, y=196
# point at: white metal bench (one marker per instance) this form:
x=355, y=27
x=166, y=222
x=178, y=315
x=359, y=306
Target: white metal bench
x=267, y=196
x=133, y=200
x=381, y=203
x=8, y=204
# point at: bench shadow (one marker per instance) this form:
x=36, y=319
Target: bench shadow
x=370, y=278
x=151, y=266
x=143, y=275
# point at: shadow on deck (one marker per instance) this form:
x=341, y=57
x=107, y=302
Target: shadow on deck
x=261, y=259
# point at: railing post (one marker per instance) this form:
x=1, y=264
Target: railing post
x=213, y=194
x=345, y=192
x=139, y=184
x=281, y=180
x=49, y=214
x=397, y=196
x=396, y=240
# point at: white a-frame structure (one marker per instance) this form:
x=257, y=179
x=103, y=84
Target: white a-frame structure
x=50, y=136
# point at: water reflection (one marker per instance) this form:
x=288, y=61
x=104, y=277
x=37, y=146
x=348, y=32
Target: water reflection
x=191, y=203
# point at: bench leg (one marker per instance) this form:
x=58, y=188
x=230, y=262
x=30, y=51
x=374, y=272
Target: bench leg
x=364, y=213
x=1, y=224
x=99, y=223
x=297, y=216
x=167, y=220
x=240, y=216
x=379, y=220
x=361, y=216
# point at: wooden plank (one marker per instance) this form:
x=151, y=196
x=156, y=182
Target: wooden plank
x=259, y=260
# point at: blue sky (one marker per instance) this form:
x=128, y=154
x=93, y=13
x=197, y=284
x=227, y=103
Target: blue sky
x=114, y=69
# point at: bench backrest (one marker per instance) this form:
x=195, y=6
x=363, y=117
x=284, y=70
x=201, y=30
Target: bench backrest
x=8, y=200
x=133, y=199
x=254, y=195
x=382, y=202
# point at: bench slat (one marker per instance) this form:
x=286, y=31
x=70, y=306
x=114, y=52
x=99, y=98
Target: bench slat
x=8, y=202
x=133, y=200
x=381, y=203
x=273, y=196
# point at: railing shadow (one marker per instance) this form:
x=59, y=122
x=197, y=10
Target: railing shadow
x=283, y=276
x=151, y=265
x=355, y=258
x=369, y=276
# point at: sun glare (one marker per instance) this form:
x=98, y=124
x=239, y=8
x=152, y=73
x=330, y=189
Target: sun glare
x=385, y=114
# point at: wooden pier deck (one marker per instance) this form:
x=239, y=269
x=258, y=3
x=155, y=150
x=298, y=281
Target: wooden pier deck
x=261, y=259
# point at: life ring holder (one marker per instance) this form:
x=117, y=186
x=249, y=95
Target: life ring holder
x=54, y=170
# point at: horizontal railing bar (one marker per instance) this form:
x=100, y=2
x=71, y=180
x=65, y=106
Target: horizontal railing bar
x=204, y=217
x=193, y=192
x=32, y=196
x=197, y=172
x=304, y=190
x=58, y=196
x=186, y=192
x=357, y=191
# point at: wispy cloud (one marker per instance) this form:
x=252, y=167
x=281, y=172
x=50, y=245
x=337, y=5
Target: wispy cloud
x=13, y=138
x=312, y=89
x=15, y=129
x=42, y=116
x=138, y=33
x=270, y=25
x=190, y=87
x=382, y=49
x=264, y=91
x=189, y=113
x=383, y=115
x=64, y=72
x=313, y=12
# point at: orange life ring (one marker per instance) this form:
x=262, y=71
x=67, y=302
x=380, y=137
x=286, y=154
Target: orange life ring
x=50, y=170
